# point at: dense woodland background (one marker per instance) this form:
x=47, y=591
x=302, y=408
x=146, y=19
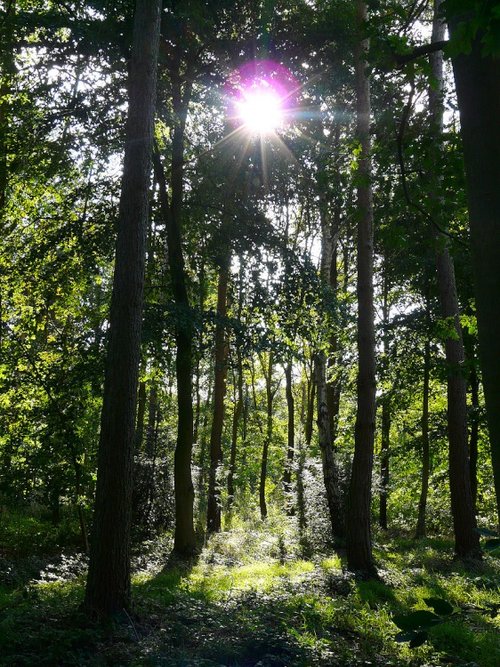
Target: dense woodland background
x=261, y=371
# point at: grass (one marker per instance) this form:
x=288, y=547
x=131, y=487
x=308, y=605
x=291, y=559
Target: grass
x=249, y=602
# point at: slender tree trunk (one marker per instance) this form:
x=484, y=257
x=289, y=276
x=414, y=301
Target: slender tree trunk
x=203, y=456
x=384, y=460
x=267, y=437
x=330, y=471
x=184, y=536
x=477, y=80
x=359, y=543
x=386, y=413
x=108, y=581
x=464, y=520
x=301, y=502
x=311, y=397
x=152, y=421
x=221, y=349
x=290, y=450
x=238, y=411
x=139, y=424
x=426, y=462
x=474, y=434
x=198, y=368
x=334, y=363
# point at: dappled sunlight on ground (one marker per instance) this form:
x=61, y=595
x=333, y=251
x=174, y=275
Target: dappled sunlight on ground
x=249, y=600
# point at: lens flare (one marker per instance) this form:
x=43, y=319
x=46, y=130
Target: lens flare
x=260, y=110
x=262, y=94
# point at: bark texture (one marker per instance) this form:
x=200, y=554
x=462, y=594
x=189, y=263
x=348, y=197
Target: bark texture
x=477, y=80
x=421, y=529
x=141, y=410
x=268, y=373
x=464, y=520
x=108, y=581
x=290, y=448
x=330, y=470
x=220, y=372
x=237, y=414
x=184, y=536
x=386, y=412
x=359, y=541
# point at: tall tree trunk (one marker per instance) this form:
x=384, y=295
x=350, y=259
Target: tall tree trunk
x=238, y=411
x=108, y=581
x=386, y=412
x=152, y=421
x=202, y=464
x=184, y=536
x=221, y=349
x=359, y=543
x=202, y=289
x=311, y=396
x=267, y=436
x=474, y=433
x=141, y=410
x=334, y=363
x=464, y=520
x=330, y=471
x=477, y=80
x=426, y=461
x=290, y=449
x=384, y=460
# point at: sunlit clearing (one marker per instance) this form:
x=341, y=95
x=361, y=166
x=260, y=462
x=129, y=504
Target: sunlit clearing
x=261, y=111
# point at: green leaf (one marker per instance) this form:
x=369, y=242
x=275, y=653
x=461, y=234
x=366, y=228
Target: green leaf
x=416, y=620
x=439, y=605
x=419, y=639
x=405, y=636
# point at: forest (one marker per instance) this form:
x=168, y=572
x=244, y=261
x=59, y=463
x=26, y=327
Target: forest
x=249, y=333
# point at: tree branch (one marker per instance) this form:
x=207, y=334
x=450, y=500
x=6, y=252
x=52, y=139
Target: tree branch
x=422, y=50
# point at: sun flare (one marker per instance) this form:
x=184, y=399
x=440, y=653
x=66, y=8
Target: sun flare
x=260, y=110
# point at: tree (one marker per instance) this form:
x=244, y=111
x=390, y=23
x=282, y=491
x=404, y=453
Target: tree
x=108, y=581
x=221, y=354
x=464, y=522
x=359, y=545
x=476, y=70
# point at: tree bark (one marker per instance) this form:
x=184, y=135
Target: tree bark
x=311, y=396
x=220, y=372
x=386, y=412
x=464, y=520
x=474, y=434
x=238, y=411
x=108, y=581
x=421, y=529
x=202, y=289
x=290, y=449
x=267, y=436
x=359, y=542
x=477, y=80
x=141, y=410
x=184, y=536
x=152, y=421
x=384, y=460
x=330, y=471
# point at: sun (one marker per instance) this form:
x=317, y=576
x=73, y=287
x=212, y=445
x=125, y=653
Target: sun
x=260, y=109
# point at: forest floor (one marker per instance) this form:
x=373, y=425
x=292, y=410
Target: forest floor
x=249, y=600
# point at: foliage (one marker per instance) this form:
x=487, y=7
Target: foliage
x=241, y=604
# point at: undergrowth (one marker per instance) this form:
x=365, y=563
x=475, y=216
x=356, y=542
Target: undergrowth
x=252, y=599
